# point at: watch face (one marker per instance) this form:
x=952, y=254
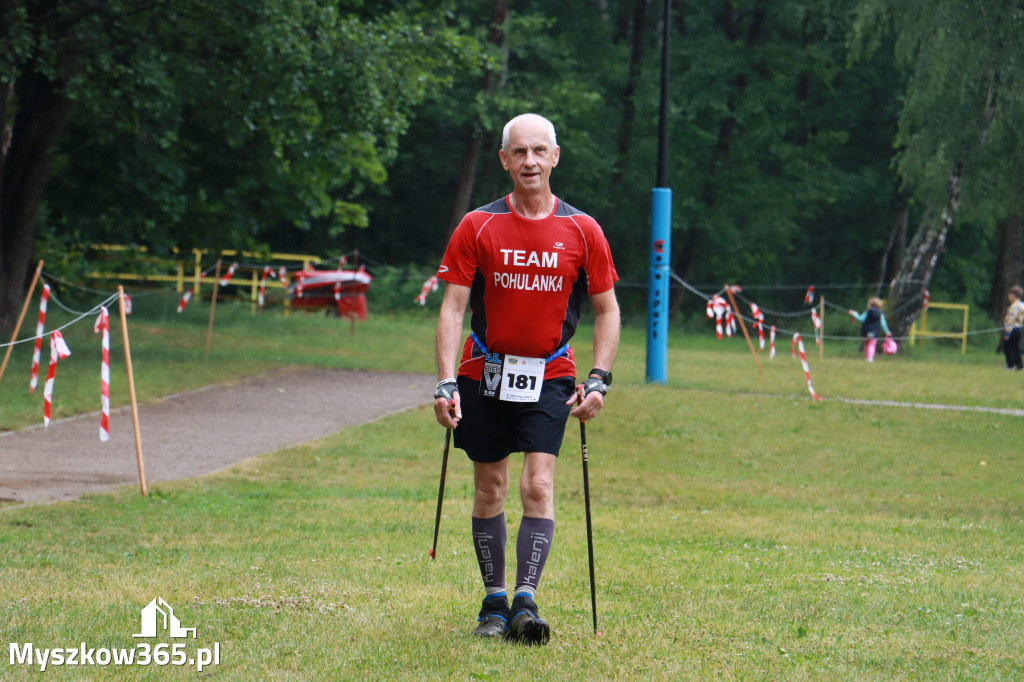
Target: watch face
x=606, y=377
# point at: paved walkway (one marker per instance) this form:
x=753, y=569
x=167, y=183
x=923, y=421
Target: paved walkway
x=200, y=431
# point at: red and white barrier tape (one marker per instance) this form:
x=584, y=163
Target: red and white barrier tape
x=771, y=344
x=428, y=286
x=798, y=342
x=927, y=297
x=228, y=275
x=102, y=327
x=817, y=326
x=58, y=351
x=188, y=294
x=758, y=316
x=720, y=310
x=44, y=299
x=282, y=274
x=809, y=296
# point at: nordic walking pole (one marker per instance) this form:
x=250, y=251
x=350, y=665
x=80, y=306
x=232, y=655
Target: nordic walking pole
x=21, y=318
x=586, y=499
x=440, y=489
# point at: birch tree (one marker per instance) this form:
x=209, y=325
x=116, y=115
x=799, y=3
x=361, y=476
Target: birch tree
x=959, y=137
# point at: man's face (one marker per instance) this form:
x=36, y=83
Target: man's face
x=530, y=156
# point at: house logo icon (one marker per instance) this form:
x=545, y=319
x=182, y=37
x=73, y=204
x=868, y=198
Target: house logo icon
x=158, y=614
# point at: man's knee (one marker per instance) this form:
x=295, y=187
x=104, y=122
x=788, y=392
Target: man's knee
x=491, y=486
x=491, y=492
x=538, y=485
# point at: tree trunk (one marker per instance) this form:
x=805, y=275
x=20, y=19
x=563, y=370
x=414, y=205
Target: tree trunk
x=1008, y=263
x=467, y=177
x=471, y=156
x=894, y=250
x=629, y=91
x=907, y=294
x=42, y=115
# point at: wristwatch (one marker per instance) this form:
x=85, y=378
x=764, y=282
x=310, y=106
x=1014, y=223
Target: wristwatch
x=606, y=377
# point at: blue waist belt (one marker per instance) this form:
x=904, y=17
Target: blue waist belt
x=483, y=349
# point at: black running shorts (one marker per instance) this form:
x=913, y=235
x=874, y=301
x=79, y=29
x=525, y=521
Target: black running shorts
x=490, y=430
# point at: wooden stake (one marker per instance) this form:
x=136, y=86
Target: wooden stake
x=21, y=318
x=746, y=335
x=213, y=307
x=131, y=390
x=254, y=293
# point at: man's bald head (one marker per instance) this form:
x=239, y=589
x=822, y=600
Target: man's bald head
x=506, y=134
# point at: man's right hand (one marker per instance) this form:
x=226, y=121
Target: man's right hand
x=447, y=406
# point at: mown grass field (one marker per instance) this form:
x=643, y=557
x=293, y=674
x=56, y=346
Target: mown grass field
x=742, y=530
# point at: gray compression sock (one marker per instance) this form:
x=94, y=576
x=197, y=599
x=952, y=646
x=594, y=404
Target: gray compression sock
x=532, y=547
x=489, y=536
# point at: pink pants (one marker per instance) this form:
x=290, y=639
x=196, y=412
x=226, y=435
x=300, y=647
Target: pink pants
x=869, y=349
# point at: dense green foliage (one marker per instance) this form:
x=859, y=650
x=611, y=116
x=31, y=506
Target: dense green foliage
x=964, y=100
x=315, y=127
x=245, y=122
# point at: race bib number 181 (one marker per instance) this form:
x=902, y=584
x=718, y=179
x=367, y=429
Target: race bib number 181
x=512, y=378
x=521, y=379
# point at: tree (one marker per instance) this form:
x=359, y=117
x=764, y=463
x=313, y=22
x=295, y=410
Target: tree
x=34, y=112
x=779, y=171
x=205, y=124
x=959, y=127
x=1008, y=264
x=478, y=137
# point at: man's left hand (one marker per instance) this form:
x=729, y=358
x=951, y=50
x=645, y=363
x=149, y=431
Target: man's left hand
x=589, y=399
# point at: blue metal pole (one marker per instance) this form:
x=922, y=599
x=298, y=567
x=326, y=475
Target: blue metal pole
x=657, y=285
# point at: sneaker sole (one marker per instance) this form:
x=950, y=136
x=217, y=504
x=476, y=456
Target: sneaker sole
x=489, y=635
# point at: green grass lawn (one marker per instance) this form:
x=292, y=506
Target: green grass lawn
x=742, y=530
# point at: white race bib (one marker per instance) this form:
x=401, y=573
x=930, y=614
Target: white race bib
x=521, y=379
x=512, y=378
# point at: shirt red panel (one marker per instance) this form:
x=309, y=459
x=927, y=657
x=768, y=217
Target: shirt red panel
x=522, y=274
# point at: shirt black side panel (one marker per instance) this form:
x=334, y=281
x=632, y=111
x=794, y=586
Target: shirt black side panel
x=478, y=322
x=572, y=307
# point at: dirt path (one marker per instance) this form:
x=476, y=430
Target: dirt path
x=198, y=432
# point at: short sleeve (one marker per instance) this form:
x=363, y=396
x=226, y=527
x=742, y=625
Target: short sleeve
x=601, y=274
x=459, y=264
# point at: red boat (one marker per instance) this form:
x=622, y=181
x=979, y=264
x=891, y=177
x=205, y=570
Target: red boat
x=341, y=291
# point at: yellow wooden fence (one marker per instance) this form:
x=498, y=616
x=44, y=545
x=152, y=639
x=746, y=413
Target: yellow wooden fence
x=923, y=332
x=175, y=270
